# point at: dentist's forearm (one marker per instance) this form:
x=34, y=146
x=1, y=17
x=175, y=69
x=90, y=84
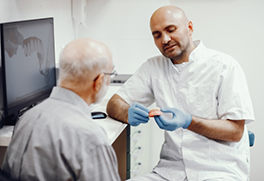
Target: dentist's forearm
x=117, y=108
x=224, y=130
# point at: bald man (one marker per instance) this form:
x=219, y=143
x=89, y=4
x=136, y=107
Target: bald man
x=205, y=102
x=57, y=139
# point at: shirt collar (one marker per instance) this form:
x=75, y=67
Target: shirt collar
x=194, y=55
x=71, y=97
x=198, y=51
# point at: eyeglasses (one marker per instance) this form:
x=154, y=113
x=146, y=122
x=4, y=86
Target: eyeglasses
x=112, y=74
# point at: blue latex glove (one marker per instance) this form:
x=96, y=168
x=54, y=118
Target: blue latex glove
x=137, y=114
x=179, y=119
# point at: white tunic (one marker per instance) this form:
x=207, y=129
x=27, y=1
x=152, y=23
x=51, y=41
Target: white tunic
x=211, y=85
x=58, y=140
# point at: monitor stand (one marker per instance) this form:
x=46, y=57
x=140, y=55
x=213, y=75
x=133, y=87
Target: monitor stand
x=10, y=120
x=13, y=118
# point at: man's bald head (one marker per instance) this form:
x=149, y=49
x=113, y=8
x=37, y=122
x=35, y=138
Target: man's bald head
x=172, y=33
x=166, y=12
x=86, y=48
x=82, y=60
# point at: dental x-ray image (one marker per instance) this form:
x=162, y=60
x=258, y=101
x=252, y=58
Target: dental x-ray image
x=29, y=50
x=13, y=39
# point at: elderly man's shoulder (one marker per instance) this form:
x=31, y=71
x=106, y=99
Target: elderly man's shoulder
x=70, y=123
x=86, y=132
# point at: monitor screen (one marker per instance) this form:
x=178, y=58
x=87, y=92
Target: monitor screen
x=29, y=62
x=1, y=90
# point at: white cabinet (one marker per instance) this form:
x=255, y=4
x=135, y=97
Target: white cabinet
x=145, y=142
x=140, y=150
x=145, y=145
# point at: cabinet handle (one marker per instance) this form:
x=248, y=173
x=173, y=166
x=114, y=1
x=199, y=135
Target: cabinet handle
x=137, y=152
x=136, y=169
x=136, y=135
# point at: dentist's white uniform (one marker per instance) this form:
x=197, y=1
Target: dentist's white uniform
x=211, y=85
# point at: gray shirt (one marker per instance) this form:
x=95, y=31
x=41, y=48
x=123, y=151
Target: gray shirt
x=58, y=140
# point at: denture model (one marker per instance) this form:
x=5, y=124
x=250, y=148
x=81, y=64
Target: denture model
x=155, y=112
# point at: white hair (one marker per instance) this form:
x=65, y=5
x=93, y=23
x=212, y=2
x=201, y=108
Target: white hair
x=79, y=66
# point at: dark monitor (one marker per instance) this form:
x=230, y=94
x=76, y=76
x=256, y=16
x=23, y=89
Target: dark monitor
x=1, y=84
x=27, y=66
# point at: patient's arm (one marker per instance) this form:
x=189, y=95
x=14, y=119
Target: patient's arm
x=117, y=108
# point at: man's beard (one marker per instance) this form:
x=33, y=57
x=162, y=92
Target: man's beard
x=100, y=95
x=176, y=58
x=178, y=55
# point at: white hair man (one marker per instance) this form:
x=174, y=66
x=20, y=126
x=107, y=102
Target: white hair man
x=57, y=139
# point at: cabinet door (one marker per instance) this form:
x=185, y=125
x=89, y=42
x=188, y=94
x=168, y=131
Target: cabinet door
x=145, y=146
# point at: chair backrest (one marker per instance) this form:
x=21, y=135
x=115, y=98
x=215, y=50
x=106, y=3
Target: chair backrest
x=3, y=177
x=251, y=137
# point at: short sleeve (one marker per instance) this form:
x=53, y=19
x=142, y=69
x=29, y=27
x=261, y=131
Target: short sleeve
x=138, y=87
x=234, y=98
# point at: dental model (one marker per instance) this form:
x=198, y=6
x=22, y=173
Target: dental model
x=155, y=112
x=30, y=45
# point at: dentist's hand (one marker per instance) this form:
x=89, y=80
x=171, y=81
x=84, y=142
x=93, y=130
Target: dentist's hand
x=179, y=119
x=137, y=114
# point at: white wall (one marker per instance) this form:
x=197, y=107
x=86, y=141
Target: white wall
x=233, y=26
x=15, y=10
x=124, y=26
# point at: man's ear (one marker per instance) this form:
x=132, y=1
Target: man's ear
x=98, y=83
x=190, y=26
